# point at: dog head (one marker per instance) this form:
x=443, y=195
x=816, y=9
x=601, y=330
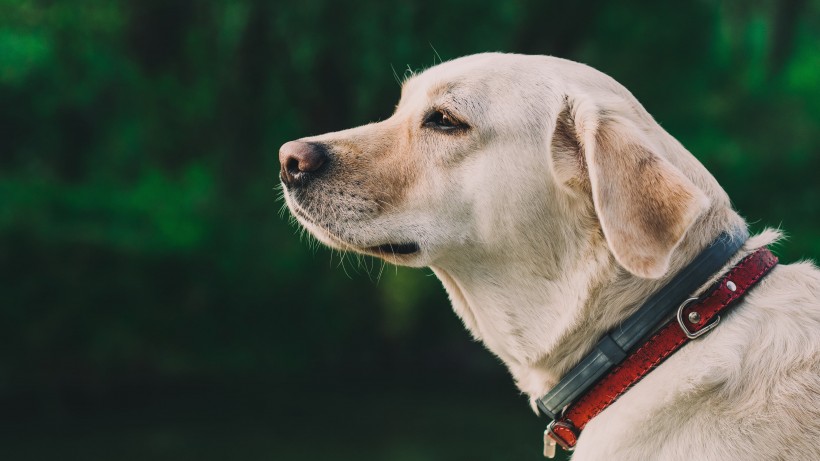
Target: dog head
x=500, y=154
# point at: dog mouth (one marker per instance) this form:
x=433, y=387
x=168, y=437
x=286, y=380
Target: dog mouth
x=383, y=250
x=395, y=248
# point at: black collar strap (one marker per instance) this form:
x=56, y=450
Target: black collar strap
x=613, y=347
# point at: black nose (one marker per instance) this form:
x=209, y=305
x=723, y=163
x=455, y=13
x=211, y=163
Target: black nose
x=300, y=160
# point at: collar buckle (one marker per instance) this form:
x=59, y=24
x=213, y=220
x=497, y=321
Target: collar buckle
x=551, y=438
x=694, y=334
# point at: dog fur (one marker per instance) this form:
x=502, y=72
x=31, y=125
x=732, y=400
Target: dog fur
x=550, y=212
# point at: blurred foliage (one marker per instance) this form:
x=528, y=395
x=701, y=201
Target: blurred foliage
x=141, y=237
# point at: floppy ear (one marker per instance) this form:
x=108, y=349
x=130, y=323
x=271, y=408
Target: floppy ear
x=644, y=204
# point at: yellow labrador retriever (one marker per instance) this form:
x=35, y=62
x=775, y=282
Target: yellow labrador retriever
x=551, y=206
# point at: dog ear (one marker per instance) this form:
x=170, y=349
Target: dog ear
x=644, y=204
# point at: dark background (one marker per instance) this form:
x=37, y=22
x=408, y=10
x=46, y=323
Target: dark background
x=157, y=304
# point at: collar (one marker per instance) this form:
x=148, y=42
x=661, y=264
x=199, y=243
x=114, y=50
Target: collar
x=627, y=353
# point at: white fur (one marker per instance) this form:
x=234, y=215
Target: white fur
x=539, y=262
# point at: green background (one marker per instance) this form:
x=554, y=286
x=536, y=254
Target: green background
x=157, y=304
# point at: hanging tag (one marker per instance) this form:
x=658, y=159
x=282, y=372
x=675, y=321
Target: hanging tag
x=549, y=445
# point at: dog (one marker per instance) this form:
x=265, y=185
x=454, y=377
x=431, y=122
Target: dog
x=550, y=205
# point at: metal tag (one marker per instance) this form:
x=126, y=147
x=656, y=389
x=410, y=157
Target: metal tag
x=549, y=446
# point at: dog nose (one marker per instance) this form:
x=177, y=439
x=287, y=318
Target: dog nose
x=298, y=159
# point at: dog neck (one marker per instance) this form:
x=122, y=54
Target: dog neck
x=541, y=316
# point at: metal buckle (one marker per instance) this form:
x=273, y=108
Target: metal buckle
x=689, y=334
x=567, y=424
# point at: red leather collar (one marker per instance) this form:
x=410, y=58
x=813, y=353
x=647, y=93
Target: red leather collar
x=695, y=317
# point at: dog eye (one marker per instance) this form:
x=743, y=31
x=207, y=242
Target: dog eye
x=442, y=121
